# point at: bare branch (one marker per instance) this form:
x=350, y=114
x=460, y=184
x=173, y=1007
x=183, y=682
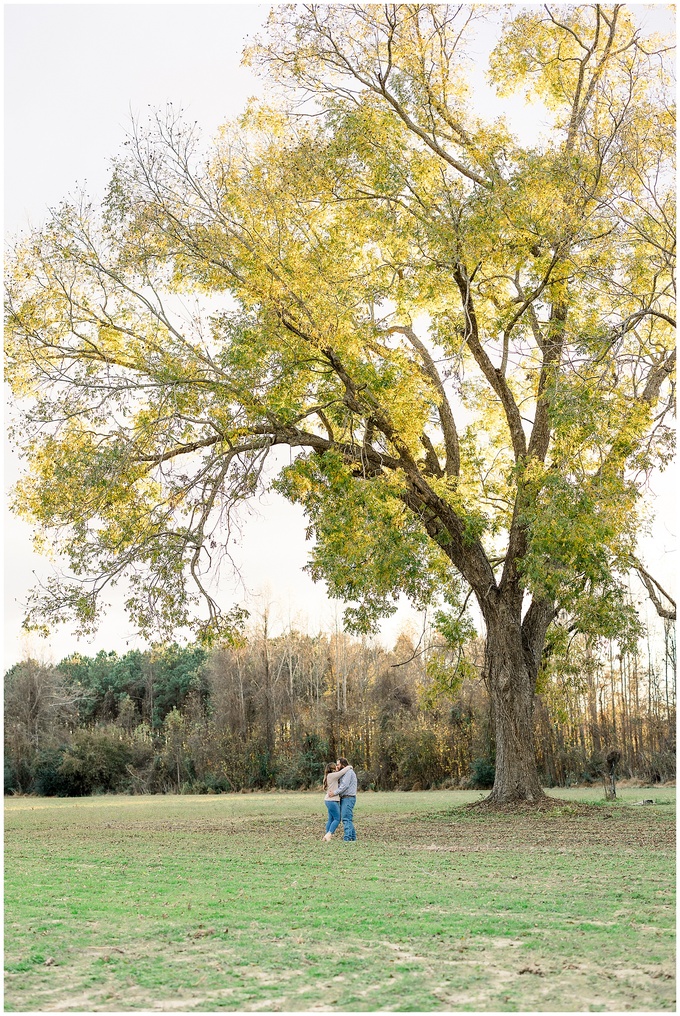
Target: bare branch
x=653, y=588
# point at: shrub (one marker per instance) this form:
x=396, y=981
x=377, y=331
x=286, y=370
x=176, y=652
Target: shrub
x=47, y=777
x=658, y=766
x=421, y=762
x=386, y=756
x=482, y=773
x=11, y=780
x=296, y=770
x=19, y=762
x=93, y=761
x=263, y=769
x=213, y=784
x=226, y=761
x=311, y=760
x=365, y=780
x=289, y=775
x=142, y=769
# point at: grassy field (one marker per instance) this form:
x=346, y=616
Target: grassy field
x=233, y=903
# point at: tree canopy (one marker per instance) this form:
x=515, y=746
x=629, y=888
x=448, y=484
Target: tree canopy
x=466, y=341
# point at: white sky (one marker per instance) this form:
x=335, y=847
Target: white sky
x=73, y=75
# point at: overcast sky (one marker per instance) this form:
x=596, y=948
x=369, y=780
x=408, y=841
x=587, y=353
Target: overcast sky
x=73, y=76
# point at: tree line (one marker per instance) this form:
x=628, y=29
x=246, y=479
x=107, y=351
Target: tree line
x=269, y=712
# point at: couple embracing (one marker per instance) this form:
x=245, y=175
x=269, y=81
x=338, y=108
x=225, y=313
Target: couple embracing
x=340, y=784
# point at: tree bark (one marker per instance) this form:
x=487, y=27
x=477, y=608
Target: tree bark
x=511, y=667
x=268, y=710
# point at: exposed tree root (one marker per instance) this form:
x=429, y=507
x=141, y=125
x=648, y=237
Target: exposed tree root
x=544, y=803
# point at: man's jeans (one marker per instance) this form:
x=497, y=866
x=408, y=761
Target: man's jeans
x=346, y=810
x=333, y=816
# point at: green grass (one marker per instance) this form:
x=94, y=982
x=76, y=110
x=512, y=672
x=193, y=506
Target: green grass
x=233, y=903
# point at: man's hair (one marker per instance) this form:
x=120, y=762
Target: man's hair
x=343, y=761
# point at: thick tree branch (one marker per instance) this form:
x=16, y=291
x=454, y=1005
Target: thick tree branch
x=534, y=628
x=185, y=449
x=657, y=376
x=451, y=444
x=491, y=373
x=431, y=459
x=552, y=354
x=653, y=589
x=440, y=519
x=447, y=530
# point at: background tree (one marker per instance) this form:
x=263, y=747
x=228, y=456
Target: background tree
x=39, y=707
x=466, y=341
x=37, y=698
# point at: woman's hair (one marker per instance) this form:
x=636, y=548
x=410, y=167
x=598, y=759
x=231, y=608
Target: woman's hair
x=330, y=768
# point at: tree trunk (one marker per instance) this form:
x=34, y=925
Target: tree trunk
x=592, y=701
x=511, y=670
x=269, y=717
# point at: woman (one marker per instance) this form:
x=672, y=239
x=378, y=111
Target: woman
x=332, y=800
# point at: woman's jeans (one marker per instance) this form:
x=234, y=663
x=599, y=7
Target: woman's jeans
x=333, y=816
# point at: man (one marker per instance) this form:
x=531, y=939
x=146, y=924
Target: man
x=347, y=789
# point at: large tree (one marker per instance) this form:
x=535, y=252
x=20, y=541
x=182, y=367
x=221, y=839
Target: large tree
x=464, y=341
